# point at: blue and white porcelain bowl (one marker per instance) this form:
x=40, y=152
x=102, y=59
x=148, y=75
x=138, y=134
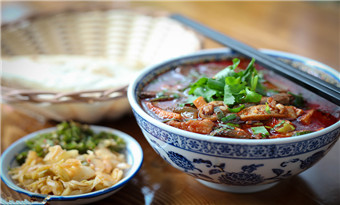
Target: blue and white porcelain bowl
x=236, y=165
x=134, y=157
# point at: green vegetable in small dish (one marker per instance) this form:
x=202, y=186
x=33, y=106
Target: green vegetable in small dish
x=72, y=136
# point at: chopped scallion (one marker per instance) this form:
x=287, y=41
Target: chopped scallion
x=237, y=109
x=260, y=130
x=267, y=108
x=229, y=118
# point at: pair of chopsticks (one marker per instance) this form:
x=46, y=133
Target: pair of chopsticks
x=312, y=83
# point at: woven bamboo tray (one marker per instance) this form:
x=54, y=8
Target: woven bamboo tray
x=132, y=38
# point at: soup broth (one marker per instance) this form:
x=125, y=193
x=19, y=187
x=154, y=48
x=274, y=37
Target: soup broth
x=231, y=98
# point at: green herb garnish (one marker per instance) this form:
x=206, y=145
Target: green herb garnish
x=227, y=126
x=283, y=127
x=301, y=133
x=209, y=89
x=229, y=86
x=237, y=109
x=233, y=124
x=278, y=125
x=71, y=135
x=267, y=109
x=286, y=127
x=229, y=118
x=260, y=130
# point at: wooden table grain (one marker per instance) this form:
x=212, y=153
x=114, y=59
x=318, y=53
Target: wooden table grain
x=310, y=29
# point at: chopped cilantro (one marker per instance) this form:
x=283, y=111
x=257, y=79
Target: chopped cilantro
x=230, y=86
x=229, y=71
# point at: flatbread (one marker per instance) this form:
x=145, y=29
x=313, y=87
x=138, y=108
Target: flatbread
x=65, y=73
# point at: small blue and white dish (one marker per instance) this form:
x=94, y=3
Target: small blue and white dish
x=230, y=164
x=134, y=157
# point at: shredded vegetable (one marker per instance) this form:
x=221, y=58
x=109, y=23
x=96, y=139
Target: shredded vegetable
x=71, y=135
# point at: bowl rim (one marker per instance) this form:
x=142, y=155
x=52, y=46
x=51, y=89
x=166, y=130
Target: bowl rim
x=135, y=152
x=139, y=111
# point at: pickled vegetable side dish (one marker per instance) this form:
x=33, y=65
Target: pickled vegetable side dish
x=71, y=160
x=233, y=99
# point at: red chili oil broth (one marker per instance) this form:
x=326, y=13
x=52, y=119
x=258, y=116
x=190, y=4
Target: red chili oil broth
x=181, y=77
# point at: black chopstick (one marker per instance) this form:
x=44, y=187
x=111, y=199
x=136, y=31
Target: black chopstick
x=312, y=83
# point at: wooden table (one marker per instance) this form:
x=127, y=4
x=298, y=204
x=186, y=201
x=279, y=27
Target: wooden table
x=310, y=29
